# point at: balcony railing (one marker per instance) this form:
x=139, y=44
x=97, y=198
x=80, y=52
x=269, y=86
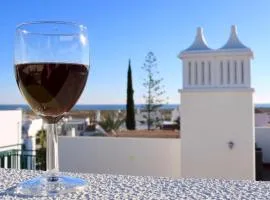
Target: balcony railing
x=18, y=159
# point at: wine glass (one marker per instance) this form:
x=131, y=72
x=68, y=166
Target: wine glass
x=51, y=65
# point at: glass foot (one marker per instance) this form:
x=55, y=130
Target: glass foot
x=50, y=186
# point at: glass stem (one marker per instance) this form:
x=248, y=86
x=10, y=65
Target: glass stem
x=52, y=161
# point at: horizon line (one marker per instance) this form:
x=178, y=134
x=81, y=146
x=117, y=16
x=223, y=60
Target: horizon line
x=110, y=104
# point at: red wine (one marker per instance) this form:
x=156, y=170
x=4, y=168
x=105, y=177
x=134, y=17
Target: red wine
x=51, y=89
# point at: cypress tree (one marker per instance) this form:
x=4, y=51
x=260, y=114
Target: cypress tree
x=130, y=117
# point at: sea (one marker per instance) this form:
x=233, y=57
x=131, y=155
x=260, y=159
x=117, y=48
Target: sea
x=103, y=106
x=87, y=107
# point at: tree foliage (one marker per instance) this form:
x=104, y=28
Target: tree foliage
x=41, y=159
x=154, y=97
x=111, y=122
x=130, y=117
x=41, y=138
x=41, y=153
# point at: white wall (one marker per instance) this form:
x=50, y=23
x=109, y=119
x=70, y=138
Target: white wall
x=204, y=140
x=132, y=156
x=10, y=128
x=213, y=77
x=263, y=141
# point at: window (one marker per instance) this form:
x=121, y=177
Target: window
x=209, y=73
x=189, y=73
x=203, y=73
x=228, y=73
x=242, y=72
x=221, y=73
x=235, y=72
x=196, y=73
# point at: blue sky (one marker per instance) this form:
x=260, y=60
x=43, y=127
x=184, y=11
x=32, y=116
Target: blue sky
x=120, y=30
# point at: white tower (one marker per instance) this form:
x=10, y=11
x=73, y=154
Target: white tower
x=217, y=114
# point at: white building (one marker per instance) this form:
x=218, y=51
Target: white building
x=176, y=113
x=30, y=129
x=74, y=127
x=32, y=126
x=10, y=138
x=141, y=118
x=217, y=113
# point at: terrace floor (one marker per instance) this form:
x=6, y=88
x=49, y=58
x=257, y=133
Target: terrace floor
x=103, y=186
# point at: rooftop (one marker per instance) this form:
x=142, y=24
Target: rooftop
x=233, y=41
x=199, y=43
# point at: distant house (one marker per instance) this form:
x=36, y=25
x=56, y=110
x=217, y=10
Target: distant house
x=261, y=119
x=74, y=127
x=95, y=130
x=175, y=115
x=30, y=127
x=141, y=118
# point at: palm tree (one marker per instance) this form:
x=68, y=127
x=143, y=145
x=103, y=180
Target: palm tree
x=111, y=122
x=41, y=153
x=41, y=138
